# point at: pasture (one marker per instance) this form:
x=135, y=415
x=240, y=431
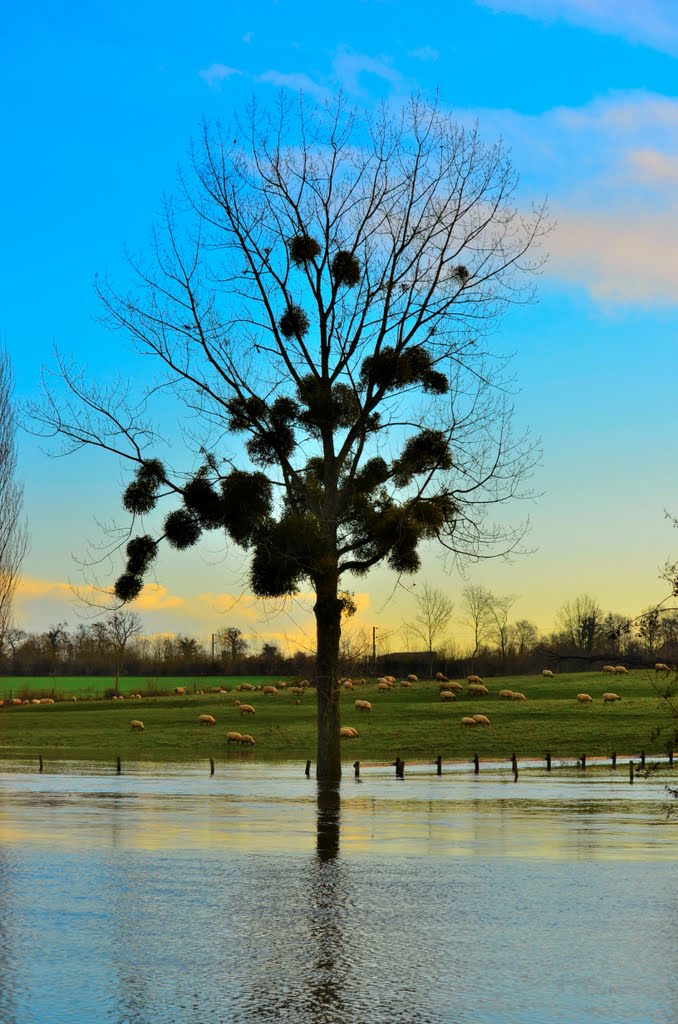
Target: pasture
x=413, y=724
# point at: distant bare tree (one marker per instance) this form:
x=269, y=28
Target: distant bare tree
x=501, y=631
x=429, y=625
x=477, y=603
x=121, y=628
x=581, y=622
x=13, y=527
x=525, y=635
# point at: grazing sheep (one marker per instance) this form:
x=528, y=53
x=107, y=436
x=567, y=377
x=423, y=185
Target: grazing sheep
x=477, y=690
x=15, y=700
x=383, y=687
x=519, y=696
x=607, y=670
x=296, y=689
x=481, y=719
x=246, y=740
x=547, y=673
x=46, y=700
x=441, y=678
x=179, y=691
x=447, y=695
x=661, y=667
x=136, y=725
x=469, y=721
x=281, y=685
x=233, y=737
x=247, y=709
x=271, y=690
x=610, y=698
x=206, y=720
x=348, y=685
x=621, y=670
x=454, y=686
x=412, y=679
x=506, y=695
x=347, y=732
x=405, y=684
x=244, y=687
x=362, y=705
x=584, y=698
x=36, y=701
x=473, y=679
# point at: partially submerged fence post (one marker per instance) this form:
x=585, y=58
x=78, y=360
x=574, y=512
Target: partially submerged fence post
x=514, y=763
x=631, y=772
x=614, y=759
x=356, y=769
x=642, y=759
x=118, y=765
x=671, y=758
x=308, y=769
x=583, y=762
x=39, y=762
x=211, y=766
x=439, y=765
x=400, y=769
x=476, y=764
x=548, y=760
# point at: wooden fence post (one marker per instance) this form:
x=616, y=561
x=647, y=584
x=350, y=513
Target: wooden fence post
x=614, y=759
x=631, y=772
x=40, y=762
x=356, y=769
x=548, y=760
x=308, y=769
x=439, y=765
x=211, y=766
x=583, y=762
x=118, y=764
x=476, y=764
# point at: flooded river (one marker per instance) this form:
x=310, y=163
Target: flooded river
x=166, y=896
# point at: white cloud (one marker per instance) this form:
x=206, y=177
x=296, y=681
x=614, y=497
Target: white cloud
x=216, y=74
x=651, y=22
x=349, y=67
x=299, y=81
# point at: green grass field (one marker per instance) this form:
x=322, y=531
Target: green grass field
x=414, y=725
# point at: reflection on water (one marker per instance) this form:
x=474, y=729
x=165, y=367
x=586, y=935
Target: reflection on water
x=169, y=897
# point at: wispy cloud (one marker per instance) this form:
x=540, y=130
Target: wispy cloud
x=426, y=53
x=350, y=67
x=215, y=74
x=299, y=81
x=651, y=22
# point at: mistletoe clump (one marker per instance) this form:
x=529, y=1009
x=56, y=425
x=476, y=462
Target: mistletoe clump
x=293, y=323
x=303, y=249
x=182, y=529
x=141, y=495
x=345, y=268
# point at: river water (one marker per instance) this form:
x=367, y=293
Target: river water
x=166, y=896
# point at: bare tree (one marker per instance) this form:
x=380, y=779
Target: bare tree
x=525, y=636
x=581, y=622
x=501, y=631
x=13, y=526
x=430, y=624
x=477, y=603
x=121, y=627
x=326, y=285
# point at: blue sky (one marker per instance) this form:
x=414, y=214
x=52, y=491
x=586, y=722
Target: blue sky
x=99, y=105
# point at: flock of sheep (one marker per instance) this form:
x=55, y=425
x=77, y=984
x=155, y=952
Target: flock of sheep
x=448, y=689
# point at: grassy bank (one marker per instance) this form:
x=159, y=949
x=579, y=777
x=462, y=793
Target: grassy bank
x=412, y=724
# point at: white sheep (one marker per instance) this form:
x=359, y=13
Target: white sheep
x=584, y=698
x=247, y=709
x=246, y=740
x=270, y=690
x=477, y=690
x=610, y=698
x=405, y=684
x=621, y=670
x=233, y=737
x=136, y=725
x=473, y=679
x=347, y=732
x=412, y=678
x=206, y=720
x=469, y=722
x=481, y=719
x=441, y=678
x=383, y=687
x=547, y=673
x=179, y=691
x=362, y=705
x=607, y=670
x=506, y=695
x=519, y=696
x=447, y=695
x=661, y=667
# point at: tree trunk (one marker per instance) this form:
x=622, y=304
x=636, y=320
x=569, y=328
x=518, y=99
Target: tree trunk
x=327, y=610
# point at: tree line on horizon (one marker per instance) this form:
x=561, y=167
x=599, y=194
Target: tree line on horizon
x=584, y=637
